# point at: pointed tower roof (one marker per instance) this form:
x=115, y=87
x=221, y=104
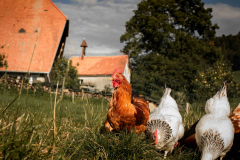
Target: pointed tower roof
x=84, y=43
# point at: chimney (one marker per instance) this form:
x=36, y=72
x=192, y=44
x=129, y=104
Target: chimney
x=83, y=45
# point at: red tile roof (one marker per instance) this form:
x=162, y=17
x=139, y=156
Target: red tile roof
x=99, y=65
x=84, y=44
x=20, y=22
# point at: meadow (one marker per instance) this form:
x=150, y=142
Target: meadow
x=39, y=125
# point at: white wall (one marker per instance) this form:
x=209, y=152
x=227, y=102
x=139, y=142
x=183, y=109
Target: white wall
x=37, y=78
x=33, y=78
x=98, y=82
x=127, y=72
x=101, y=81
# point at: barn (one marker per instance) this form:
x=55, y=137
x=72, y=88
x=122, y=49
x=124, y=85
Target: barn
x=32, y=34
x=96, y=71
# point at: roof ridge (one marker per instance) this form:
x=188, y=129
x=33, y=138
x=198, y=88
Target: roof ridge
x=98, y=56
x=58, y=9
x=99, y=65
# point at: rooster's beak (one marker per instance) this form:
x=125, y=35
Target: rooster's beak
x=111, y=79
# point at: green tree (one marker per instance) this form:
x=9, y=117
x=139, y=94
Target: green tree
x=230, y=48
x=156, y=23
x=170, y=41
x=59, y=71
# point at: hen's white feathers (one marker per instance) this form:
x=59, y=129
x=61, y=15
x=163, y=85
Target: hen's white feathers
x=167, y=106
x=167, y=120
x=219, y=104
x=215, y=132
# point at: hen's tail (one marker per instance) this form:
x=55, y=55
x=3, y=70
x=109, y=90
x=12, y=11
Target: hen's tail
x=223, y=91
x=166, y=91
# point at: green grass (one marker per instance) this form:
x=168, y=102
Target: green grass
x=80, y=132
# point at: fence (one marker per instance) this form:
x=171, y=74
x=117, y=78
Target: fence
x=152, y=92
x=43, y=89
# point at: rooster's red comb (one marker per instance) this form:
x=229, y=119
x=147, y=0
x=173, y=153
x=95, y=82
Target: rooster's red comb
x=118, y=70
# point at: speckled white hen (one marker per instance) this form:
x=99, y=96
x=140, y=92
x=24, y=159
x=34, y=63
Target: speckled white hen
x=215, y=132
x=165, y=123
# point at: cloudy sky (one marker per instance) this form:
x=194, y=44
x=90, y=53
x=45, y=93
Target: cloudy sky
x=102, y=22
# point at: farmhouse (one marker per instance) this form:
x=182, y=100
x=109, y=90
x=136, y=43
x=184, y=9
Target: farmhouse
x=32, y=35
x=96, y=71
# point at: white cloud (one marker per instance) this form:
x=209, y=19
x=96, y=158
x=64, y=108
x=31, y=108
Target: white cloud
x=227, y=18
x=224, y=11
x=101, y=24
x=86, y=1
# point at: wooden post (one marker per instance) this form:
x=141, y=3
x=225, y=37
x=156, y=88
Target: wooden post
x=82, y=94
x=73, y=97
x=187, y=108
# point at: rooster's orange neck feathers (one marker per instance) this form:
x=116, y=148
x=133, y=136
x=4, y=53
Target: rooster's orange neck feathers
x=123, y=96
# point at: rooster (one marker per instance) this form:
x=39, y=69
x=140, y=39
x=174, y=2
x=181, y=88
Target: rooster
x=125, y=111
x=214, y=131
x=165, y=124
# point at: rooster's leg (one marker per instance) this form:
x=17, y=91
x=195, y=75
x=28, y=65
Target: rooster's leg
x=107, y=126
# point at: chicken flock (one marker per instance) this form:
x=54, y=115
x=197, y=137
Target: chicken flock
x=213, y=134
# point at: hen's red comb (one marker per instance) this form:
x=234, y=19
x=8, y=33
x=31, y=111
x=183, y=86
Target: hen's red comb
x=118, y=70
x=156, y=137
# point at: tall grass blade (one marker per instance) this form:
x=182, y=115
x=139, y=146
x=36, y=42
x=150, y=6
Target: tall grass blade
x=6, y=66
x=9, y=105
x=54, y=116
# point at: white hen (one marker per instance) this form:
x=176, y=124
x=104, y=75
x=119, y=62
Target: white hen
x=165, y=123
x=215, y=132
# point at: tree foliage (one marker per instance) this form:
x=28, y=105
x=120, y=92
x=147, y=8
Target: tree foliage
x=157, y=23
x=170, y=41
x=211, y=80
x=230, y=48
x=59, y=71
